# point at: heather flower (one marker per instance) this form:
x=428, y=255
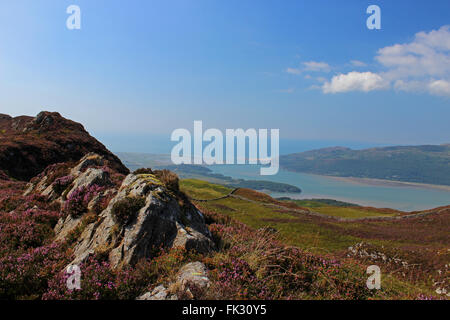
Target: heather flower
x=60, y=184
x=78, y=200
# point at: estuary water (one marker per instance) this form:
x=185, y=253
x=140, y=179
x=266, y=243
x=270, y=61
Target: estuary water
x=402, y=197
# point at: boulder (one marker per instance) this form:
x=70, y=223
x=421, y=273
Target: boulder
x=192, y=275
x=159, y=293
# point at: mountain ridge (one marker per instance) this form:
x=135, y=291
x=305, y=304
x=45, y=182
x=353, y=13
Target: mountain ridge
x=29, y=144
x=428, y=164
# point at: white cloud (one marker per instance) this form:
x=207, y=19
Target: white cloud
x=427, y=55
x=409, y=86
x=358, y=63
x=312, y=66
x=317, y=66
x=354, y=81
x=439, y=87
x=422, y=65
x=293, y=71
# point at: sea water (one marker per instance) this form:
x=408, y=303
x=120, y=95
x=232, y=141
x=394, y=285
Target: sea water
x=405, y=198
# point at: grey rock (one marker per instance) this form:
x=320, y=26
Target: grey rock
x=195, y=274
x=159, y=293
x=158, y=223
x=91, y=159
x=90, y=177
x=191, y=275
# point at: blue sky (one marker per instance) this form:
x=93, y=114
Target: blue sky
x=139, y=69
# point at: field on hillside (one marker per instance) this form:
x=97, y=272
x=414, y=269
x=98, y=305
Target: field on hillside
x=413, y=251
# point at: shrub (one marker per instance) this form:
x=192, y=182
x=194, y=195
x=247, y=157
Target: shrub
x=143, y=171
x=78, y=200
x=126, y=209
x=23, y=230
x=10, y=203
x=26, y=275
x=103, y=202
x=254, y=264
x=169, y=179
x=53, y=172
x=99, y=281
x=61, y=184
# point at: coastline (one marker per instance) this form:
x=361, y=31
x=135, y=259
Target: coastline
x=389, y=183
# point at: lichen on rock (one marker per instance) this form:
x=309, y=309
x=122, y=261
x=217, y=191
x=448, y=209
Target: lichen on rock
x=158, y=217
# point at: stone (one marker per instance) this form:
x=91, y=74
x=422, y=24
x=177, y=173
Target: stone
x=193, y=274
x=159, y=293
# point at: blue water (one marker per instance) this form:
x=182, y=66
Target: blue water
x=406, y=198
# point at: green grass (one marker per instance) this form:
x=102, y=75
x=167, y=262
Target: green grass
x=351, y=212
x=318, y=235
x=308, y=203
x=203, y=189
x=293, y=228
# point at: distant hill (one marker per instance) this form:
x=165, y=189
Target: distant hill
x=29, y=144
x=421, y=164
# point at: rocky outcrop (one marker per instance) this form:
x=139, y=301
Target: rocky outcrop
x=160, y=222
x=163, y=219
x=81, y=175
x=28, y=145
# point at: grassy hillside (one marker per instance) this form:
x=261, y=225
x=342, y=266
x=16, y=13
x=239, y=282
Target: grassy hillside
x=421, y=164
x=420, y=244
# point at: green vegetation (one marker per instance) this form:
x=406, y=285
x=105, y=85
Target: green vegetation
x=420, y=164
x=351, y=212
x=202, y=189
x=125, y=210
x=296, y=229
x=410, y=252
x=340, y=209
x=315, y=203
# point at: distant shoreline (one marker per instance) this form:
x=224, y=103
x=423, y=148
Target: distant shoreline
x=389, y=183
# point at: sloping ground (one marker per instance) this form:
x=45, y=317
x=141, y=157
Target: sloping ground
x=252, y=260
x=259, y=210
x=29, y=144
x=89, y=215
x=421, y=242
